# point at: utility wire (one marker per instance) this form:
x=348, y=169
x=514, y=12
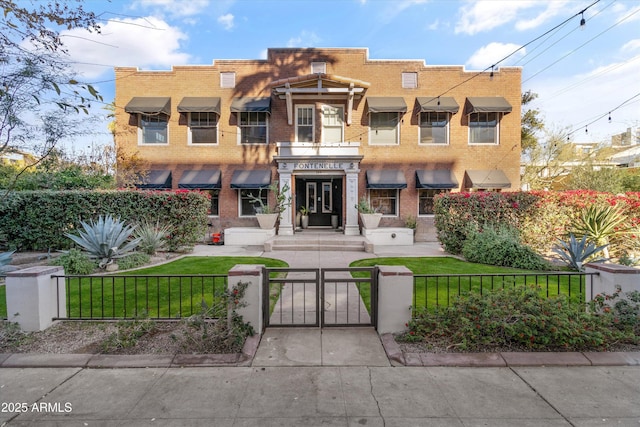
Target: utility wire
x=605, y=114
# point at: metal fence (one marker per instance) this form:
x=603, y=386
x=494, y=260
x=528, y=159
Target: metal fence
x=438, y=290
x=134, y=296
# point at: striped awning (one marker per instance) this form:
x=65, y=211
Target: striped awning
x=254, y=179
x=156, y=180
x=386, y=104
x=192, y=104
x=149, y=105
x=205, y=179
x=438, y=104
x=250, y=104
x=494, y=178
x=385, y=179
x=487, y=104
x=436, y=179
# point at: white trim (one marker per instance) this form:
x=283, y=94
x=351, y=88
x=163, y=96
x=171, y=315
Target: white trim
x=140, y=133
x=377, y=144
x=313, y=208
x=239, y=191
x=313, y=121
x=201, y=144
x=323, y=202
x=435, y=144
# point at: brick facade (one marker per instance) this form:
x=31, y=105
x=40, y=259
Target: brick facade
x=254, y=78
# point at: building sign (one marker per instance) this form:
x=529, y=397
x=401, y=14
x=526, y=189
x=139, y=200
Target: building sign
x=318, y=165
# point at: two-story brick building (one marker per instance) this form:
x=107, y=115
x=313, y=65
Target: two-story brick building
x=330, y=124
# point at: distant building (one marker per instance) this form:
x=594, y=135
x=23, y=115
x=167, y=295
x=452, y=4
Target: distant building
x=630, y=137
x=330, y=123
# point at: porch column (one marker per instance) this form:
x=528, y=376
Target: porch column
x=286, y=223
x=351, y=223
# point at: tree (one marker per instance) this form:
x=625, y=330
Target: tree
x=548, y=163
x=531, y=123
x=38, y=89
x=590, y=176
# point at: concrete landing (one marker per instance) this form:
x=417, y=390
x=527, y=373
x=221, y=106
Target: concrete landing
x=357, y=346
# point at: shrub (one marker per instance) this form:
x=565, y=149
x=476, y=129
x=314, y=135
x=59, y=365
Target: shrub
x=152, y=236
x=75, y=262
x=105, y=239
x=576, y=253
x=501, y=246
x=134, y=260
x=517, y=318
x=38, y=220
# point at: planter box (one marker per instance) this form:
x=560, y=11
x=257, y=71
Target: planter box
x=370, y=221
x=267, y=221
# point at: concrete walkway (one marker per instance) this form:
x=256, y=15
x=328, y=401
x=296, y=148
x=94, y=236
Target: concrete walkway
x=327, y=396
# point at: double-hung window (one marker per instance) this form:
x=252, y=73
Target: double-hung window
x=253, y=127
x=203, y=128
x=153, y=129
x=434, y=128
x=483, y=128
x=384, y=128
x=384, y=201
x=304, y=123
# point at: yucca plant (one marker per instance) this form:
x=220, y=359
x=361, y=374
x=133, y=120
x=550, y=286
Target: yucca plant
x=152, y=236
x=106, y=240
x=5, y=260
x=599, y=223
x=575, y=253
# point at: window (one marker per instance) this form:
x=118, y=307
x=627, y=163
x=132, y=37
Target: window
x=332, y=123
x=248, y=205
x=409, y=80
x=318, y=67
x=434, y=128
x=384, y=201
x=384, y=128
x=253, y=127
x=483, y=128
x=215, y=196
x=304, y=123
x=228, y=80
x=425, y=200
x=203, y=128
x=153, y=129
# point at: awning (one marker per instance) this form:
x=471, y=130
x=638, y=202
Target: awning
x=199, y=105
x=442, y=104
x=251, y=179
x=248, y=104
x=206, y=179
x=487, y=179
x=149, y=105
x=386, y=104
x=386, y=179
x=487, y=104
x=156, y=180
x=436, y=179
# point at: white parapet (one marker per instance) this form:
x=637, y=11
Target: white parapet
x=247, y=236
x=389, y=236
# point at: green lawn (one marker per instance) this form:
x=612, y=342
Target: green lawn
x=433, y=291
x=149, y=291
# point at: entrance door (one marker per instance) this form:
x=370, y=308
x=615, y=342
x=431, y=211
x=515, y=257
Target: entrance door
x=322, y=196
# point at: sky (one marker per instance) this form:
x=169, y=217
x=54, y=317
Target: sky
x=580, y=73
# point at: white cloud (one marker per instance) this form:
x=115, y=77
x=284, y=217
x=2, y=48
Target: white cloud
x=175, y=8
x=485, y=15
x=631, y=45
x=434, y=25
x=305, y=39
x=141, y=42
x=226, y=21
x=488, y=55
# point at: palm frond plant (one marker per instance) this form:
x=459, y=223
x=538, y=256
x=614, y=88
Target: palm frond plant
x=575, y=253
x=600, y=223
x=152, y=236
x=106, y=239
x=5, y=260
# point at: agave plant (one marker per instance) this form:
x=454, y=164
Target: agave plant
x=5, y=259
x=599, y=223
x=152, y=236
x=106, y=240
x=575, y=252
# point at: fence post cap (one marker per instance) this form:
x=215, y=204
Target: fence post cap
x=39, y=270
x=246, y=270
x=394, y=270
x=613, y=268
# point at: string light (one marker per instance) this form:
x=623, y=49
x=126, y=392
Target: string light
x=609, y=116
x=582, y=21
x=491, y=75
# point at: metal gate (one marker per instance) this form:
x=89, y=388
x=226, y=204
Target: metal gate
x=299, y=297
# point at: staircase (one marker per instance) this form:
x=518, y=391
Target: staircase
x=316, y=240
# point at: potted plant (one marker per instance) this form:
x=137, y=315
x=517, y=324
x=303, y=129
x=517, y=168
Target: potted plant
x=411, y=222
x=268, y=215
x=304, y=219
x=368, y=215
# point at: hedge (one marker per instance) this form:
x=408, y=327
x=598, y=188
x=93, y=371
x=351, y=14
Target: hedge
x=37, y=220
x=541, y=217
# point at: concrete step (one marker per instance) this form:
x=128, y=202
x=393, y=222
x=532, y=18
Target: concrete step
x=315, y=243
x=318, y=247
